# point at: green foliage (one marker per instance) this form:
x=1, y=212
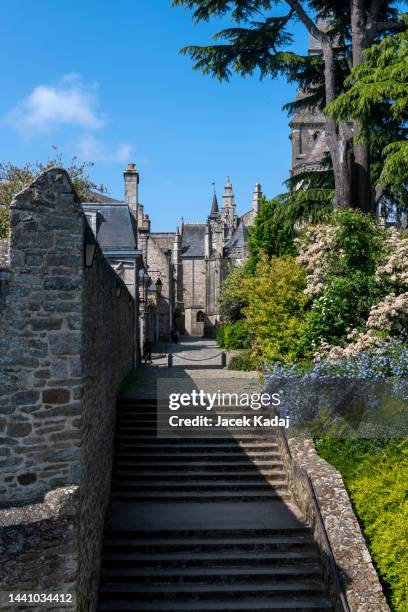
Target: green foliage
x=378, y=92
x=376, y=475
x=349, y=284
x=276, y=308
x=243, y=362
x=233, y=335
x=14, y=179
x=231, y=300
x=275, y=225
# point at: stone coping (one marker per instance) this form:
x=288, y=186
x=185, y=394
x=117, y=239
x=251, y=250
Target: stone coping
x=360, y=581
x=61, y=502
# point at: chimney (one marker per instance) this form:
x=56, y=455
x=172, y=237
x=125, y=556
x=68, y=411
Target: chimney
x=207, y=241
x=257, y=198
x=131, y=177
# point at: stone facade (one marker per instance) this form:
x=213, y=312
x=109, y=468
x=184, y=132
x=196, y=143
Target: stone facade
x=308, y=127
x=360, y=583
x=190, y=264
x=39, y=549
x=67, y=341
x=193, y=262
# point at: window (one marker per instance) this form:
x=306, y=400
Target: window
x=200, y=316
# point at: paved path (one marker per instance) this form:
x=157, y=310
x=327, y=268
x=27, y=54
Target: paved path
x=196, y=359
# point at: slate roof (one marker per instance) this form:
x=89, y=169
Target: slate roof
x=165, y=240
x=247, y=218
x=238, y=238
x=101, y=198
x=114, y=225
x=193, y=239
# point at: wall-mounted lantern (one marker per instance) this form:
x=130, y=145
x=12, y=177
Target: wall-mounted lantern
x=159, y=286
x=118, y=290
x=90, y=246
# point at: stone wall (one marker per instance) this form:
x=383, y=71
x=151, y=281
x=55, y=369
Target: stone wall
x=39, y=548
x=41, y=341
x=66, y=342
x=107, y=357
x=352, y=559
x=159, y=266
x=4, y=247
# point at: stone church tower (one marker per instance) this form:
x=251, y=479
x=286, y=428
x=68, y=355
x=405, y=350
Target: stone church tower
x=308, y=127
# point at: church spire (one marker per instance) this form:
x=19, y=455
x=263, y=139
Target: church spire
x=257, y=198
x=228, y=197
x=214, y=205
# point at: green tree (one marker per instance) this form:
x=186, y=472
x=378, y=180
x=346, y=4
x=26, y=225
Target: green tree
x=276, y=306
x=264, y=44
x=379, y=86
x=232, y=299
x=274, y=229
x=14, y=178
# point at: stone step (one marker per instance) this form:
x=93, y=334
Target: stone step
x=196, y=476
x=278, y=541
x=189, y=457
x=309, y=604
x=124, y=444
x=281, y=556
x=221, y=444
x=203, y=591
x=129, y=464
x=224, y=575
x=203, y=486
x=197, y=496
x=296, y=530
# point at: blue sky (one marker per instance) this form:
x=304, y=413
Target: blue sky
x=105, y=81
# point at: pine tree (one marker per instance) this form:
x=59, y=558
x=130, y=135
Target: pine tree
x=379, y=91
x=263, y=45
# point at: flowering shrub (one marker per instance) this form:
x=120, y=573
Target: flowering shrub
x=360, y=396
x=314, y=246
x=394, y=270
x=391, y=314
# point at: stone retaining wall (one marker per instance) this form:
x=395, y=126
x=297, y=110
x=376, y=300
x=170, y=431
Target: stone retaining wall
x=359, y=579
x=38, y=548
x=66, y=342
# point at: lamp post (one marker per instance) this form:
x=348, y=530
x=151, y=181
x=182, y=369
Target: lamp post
x=159, y=286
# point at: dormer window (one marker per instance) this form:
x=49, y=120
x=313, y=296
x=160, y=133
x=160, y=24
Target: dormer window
x=92, y=220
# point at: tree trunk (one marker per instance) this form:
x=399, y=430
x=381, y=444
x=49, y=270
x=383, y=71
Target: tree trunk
x=361, y=172
x=337, y=138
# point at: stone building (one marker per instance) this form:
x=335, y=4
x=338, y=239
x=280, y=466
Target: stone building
x=175, y=276
x=308, y=128
x=193, y=261
x=202, y=256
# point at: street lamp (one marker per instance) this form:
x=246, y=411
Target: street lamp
x=159, y=286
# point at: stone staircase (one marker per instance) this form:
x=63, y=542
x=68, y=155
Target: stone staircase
x=199, y=524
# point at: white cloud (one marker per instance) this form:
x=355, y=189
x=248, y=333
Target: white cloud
x=95, y=150
x=70, y=102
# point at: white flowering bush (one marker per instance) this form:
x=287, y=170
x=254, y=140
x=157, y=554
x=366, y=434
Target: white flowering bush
x=316, y=243
x=391, y=314
x=357, y=303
